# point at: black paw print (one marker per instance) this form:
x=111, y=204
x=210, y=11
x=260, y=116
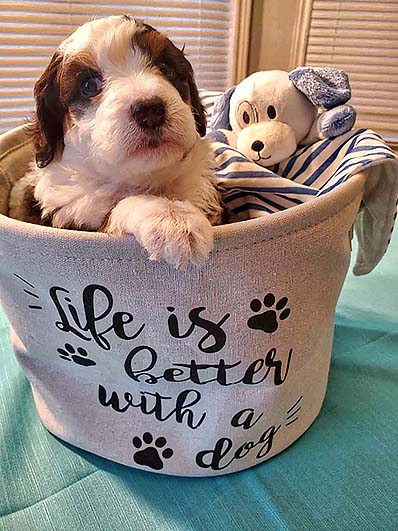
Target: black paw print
x=150, y=456
x=268, y=320
x=68, y=354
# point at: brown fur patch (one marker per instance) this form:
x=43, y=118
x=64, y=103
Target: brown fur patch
x=71, y=74
x=31, y=206
x=105, y=222
x=150, y=42
x=174, y=66
x=24, y=206
x=54, y=91
x=47, y=127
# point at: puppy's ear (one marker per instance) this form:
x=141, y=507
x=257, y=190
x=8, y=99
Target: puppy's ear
x=196, y=104
x=48, y=126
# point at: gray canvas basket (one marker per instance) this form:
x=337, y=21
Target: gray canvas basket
x=196, y=373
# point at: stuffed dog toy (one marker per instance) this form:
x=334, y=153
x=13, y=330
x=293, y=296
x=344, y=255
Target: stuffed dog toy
x=270, y=113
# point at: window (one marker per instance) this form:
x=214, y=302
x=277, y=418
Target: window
x=362, y=38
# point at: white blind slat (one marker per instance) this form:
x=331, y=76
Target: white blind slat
x=358, y=58
x=72, y=7
x=349, y=43
x=361, y=37
x=31, y=30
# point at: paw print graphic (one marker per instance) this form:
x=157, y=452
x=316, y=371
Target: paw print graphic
x=268, y=321
x=79, y=356
x=153, y=455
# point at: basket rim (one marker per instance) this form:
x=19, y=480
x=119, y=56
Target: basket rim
x=237, y=234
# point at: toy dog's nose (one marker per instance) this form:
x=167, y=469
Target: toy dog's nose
x=149, y=114
x=257, y=146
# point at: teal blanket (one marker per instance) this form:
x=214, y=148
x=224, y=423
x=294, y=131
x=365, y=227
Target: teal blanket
x=340, y=475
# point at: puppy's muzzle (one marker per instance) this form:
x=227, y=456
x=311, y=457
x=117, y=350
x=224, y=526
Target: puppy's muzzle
x=149, y=114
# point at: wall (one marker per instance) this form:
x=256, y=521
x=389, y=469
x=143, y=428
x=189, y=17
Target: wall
x=272, y=19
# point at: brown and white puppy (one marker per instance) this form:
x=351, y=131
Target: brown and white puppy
x=118, y=142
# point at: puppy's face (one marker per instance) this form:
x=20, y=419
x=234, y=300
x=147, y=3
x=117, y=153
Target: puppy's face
x=117, y=94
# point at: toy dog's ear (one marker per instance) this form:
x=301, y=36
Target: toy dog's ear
x=324, y=87
x=220, y=116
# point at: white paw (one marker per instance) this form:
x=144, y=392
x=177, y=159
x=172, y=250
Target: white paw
x=174, y=231
x=180, y=235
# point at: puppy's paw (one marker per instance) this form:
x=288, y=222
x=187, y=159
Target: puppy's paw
x=175, y=231
x=179, y=234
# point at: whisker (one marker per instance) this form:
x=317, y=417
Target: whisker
x=35, y=307
x=291, y=422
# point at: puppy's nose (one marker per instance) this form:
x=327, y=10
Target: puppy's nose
x=257, y=146
x=149, y=114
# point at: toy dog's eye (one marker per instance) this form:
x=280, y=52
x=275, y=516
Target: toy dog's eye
x=91, y=86
x=271, y=111
x=246, y=114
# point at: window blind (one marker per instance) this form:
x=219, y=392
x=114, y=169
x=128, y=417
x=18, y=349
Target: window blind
x=30, y=30
x=362, y=38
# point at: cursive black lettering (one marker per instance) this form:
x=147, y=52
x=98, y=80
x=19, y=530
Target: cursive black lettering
x=142, y=369
x=160, y=406
x=113, y=401
x=174, y=327
x=277, y=365
x=221, y=449
x=137, y=374
x=223, y=455
x=64, y=323
x=245, y=419
x=97, y=302
x=214, y=329
x=120, y=320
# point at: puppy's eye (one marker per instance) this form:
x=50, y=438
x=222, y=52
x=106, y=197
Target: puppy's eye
x=167, y=71
x=246, y=114
x=91, y=86
x=271, y=112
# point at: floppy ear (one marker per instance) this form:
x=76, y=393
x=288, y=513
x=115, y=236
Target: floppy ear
x=220, y=116
x=324, y=87
x=197, y=107
x=48, y=125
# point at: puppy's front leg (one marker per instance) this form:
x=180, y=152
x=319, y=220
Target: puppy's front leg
x=176, y=231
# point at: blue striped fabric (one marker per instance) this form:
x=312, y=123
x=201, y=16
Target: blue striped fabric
x=251, y=191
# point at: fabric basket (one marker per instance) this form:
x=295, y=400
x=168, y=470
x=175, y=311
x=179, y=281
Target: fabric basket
x=196, y=373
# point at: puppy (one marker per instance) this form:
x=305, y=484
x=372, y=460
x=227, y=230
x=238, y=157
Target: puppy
x=119, y=143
